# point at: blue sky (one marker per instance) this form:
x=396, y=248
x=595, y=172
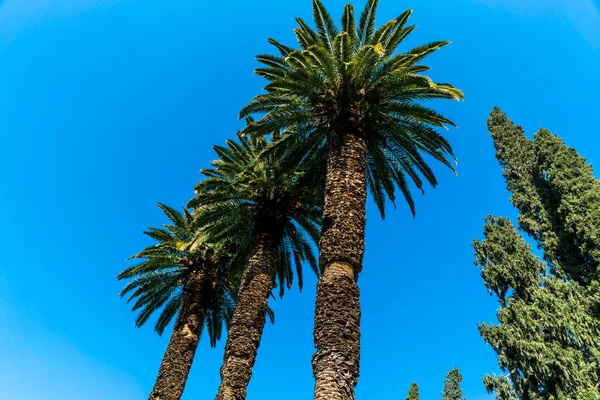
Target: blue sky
x=108, y=106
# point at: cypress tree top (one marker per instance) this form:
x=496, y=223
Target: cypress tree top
x=557, y=196
x=452, y=389
x=547, y=334
x=413, y=392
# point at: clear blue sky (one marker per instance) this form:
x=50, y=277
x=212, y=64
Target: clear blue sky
x=108, y=106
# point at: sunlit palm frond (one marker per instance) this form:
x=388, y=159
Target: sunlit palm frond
x=357, y=72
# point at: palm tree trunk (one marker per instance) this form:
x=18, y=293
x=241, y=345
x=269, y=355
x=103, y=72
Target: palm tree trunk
x=337, y=310
x=178, y=358
x=248, y=321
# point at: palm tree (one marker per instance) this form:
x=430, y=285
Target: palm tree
x=182, y=274
x=352, y=97
x=282, y=215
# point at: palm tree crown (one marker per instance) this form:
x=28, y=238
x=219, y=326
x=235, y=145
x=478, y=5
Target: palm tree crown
x=246, y=188
x=353, y=79
x=158, y=281
x=262, y=195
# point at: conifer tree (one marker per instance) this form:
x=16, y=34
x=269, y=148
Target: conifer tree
x=452, y=389
x=572, y=196
x=546, y=339
x=413, y=392
x=557, y=196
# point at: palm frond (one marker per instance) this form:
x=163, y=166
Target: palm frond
x=366, y=25
x=356, y=75
x=325, y=26
x=157, y=284
x=349, y=23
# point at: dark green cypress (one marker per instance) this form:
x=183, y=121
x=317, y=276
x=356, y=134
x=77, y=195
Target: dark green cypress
x=452, y=389
x=546, y=339
x=572, y=196
x=557, y=196
x=516, y=156
x=413, y=392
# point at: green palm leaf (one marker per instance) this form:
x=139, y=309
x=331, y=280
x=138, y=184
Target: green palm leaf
x=366, y=25
x=255, y=178
x=325, y=26
x=358, y=69
x=156, y=283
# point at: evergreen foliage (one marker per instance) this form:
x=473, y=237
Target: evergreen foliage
x=452, y=389
x=547, y=337
x=413, y=392
x=557, y=196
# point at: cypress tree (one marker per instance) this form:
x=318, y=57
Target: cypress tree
x=557, y=196
x=572, y=194
x=452, y=389
x=413, y=392
x=516, y=156
x=546, y=339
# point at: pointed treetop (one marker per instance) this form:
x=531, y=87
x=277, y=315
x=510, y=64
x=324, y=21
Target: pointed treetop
x=413, y=392
x=452, y=389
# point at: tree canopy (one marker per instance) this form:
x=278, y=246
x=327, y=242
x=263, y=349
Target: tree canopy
x=547, y=335
x=156, y=283
x=413, y=392
x=353, y=77
x=452, y=389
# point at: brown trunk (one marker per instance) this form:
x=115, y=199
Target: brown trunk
x=337, y=309
x=249, y=318
x=178, y=358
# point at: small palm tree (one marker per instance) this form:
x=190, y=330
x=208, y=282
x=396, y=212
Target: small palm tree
x=186, y=276
x=349, y=95
x=282, y=217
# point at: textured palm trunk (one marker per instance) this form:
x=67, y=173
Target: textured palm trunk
x=249, y=318
x=177, y=361
x=337, y=309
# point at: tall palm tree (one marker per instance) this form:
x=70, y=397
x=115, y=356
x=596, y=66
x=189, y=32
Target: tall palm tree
x=282, y=216
x=349, y=94
x=185, y=275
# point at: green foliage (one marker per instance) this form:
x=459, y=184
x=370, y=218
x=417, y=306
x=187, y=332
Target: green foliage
x=501, y=385
x=516, y=156
x=507, y=264
x=357, y=81
x=413, y=392
x=547, y=337
x=158, y=281
x=256, y=184
x=452, y=389
x=557, y=196
x=572, y=196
